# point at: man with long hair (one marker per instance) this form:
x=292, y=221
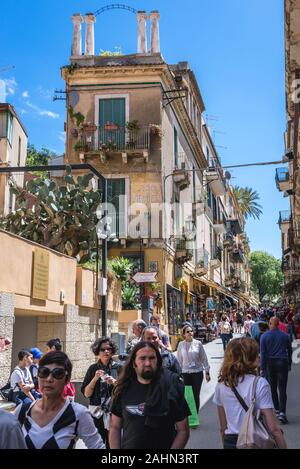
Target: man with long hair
x=148, y=404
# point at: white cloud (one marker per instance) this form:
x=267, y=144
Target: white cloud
x=46, y=94
x=62, y=137
x=8, y=87
x=42, y=112
x=25, y=94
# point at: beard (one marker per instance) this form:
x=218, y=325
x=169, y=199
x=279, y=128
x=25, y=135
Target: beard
x=148, y=374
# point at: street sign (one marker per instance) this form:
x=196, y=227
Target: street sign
x=145, y=277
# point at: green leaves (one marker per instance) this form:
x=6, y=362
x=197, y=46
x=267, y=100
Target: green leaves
x=130, y=297
x=122, y=268
x=62, y=217
x=247, y=199
x=267, y=277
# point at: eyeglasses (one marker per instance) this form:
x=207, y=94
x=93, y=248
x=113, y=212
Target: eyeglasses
x=189, y=332
x=108, y=349
x=56, y=373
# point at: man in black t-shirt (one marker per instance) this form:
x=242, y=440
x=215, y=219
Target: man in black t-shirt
x=148, y=404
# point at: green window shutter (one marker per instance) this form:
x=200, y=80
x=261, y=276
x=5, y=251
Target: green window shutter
x=113, y=111
x=115, y=188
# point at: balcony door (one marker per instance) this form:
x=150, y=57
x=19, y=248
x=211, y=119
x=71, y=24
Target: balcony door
x=112, y=120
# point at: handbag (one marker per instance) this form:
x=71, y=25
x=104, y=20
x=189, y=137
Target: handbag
x=253, y=432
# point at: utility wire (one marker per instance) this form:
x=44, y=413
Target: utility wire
x=253, y=164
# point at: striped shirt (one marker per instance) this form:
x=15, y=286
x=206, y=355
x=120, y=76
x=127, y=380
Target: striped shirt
x=73, y=421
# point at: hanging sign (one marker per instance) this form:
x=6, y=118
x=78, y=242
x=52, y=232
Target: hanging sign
x=145, y=277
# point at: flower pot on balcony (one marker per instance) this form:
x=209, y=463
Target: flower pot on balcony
x=74, y=133
x=89, y=127
x=111, y=127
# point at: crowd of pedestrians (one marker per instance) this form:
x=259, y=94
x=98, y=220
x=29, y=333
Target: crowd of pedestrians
x=142, y=402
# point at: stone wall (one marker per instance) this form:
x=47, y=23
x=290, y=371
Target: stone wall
x=77, y=328
x=6, y=330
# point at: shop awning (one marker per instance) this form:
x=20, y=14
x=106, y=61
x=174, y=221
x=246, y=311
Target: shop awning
x=219, y=288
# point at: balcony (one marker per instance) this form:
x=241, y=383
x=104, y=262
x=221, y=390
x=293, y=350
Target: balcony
x=216, y=260
x=284, y=221
x=235, y=225
x=238, y=255
x=183, y=251
x=291, y=268
x=294, y=239
x=283, y=180
x=181, y=176
x=113, y=139
x=219, y=226
x=216, y=181
x=202, y=263
x=228, y=240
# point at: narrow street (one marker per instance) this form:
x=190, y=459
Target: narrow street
x=207, y=436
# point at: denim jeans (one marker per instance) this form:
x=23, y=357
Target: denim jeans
x=292, y=332
x=225, y=339
x=230, y=441
x=277, y=375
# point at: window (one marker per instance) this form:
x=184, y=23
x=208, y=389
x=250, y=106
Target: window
x=194, y=184
x=112, y=111
x=175, y=148
x=9, y=127
x=115, y=191
x=19, y=152
x=209, y=197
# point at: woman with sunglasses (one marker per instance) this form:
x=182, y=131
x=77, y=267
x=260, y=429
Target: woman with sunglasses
x=54, y=422
x=98, y=383
x=193, y=361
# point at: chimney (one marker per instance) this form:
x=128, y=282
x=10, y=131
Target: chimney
x=77, y=39
x=142, y=36
x=154, y=18
x=90, y=20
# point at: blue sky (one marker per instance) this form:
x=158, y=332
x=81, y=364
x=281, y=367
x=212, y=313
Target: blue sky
x=235, y=47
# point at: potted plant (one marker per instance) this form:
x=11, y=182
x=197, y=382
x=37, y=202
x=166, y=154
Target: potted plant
x=130, y=295
x=110, y=126
x=132, y=128
x=156, y=129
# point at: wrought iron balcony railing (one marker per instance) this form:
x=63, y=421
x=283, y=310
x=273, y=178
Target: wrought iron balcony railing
x=202, y=259
x=114, y=139
x=284, y=216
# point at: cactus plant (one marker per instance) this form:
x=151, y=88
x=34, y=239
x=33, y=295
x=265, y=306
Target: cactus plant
x=61, y=217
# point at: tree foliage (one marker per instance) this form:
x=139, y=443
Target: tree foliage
x=248, y=201
x=61, y=217
x=38, y=157
x=267, y=277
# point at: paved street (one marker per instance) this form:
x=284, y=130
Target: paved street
x=207, y=435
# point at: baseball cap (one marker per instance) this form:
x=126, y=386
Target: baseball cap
x=36, y=353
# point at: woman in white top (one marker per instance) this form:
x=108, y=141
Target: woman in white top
x=55, y=422
x=193, y=361
x=238, y=371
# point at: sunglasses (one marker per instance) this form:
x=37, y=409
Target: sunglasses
x=56, y=373
x=189, y=332
x=108, y=349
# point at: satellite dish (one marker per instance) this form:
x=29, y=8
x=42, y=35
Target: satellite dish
x=227, y=175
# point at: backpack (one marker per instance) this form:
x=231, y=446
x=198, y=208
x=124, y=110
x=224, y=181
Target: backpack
x=7, y=393
x=253, y=432
x=225, y=328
